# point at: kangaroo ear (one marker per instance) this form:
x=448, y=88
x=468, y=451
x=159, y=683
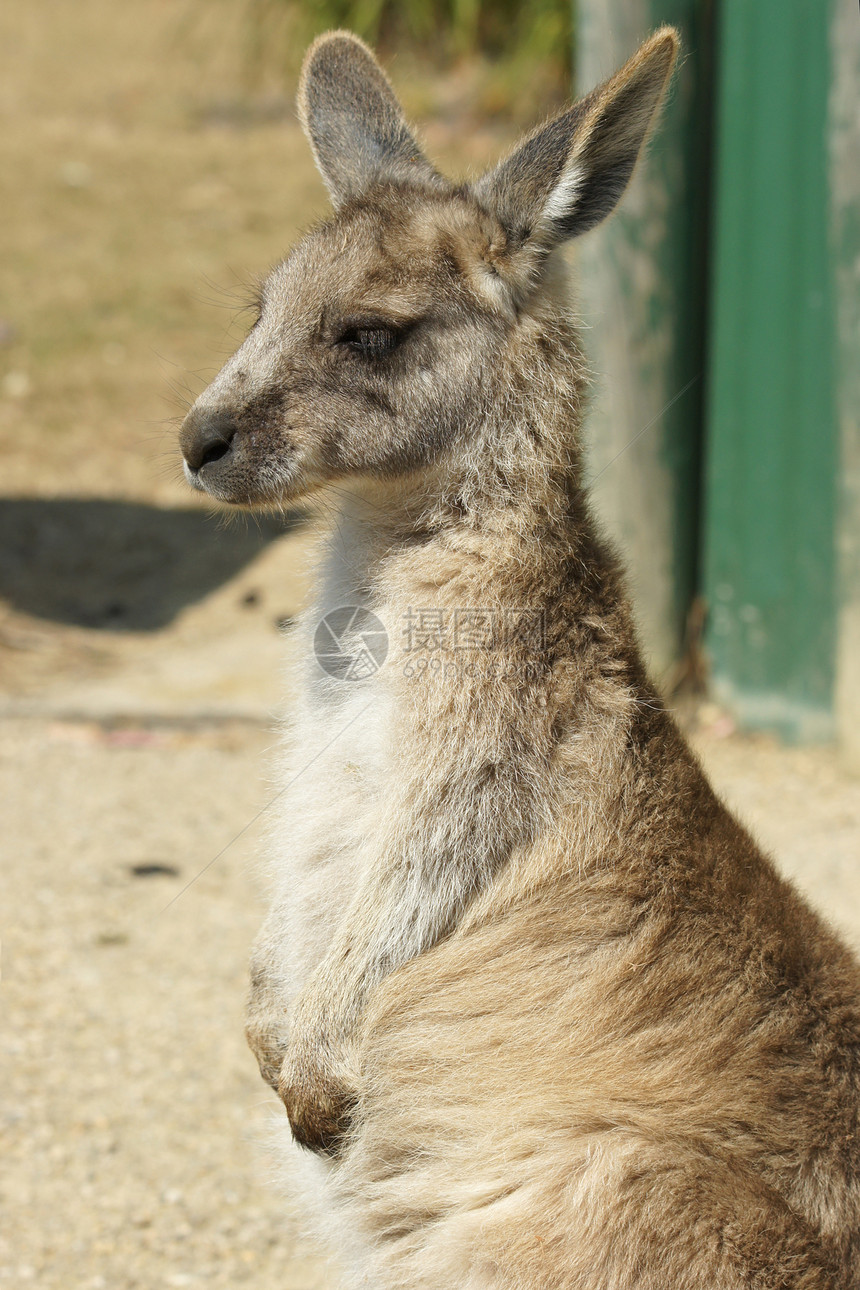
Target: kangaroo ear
x=569, y=174
x=353, y=120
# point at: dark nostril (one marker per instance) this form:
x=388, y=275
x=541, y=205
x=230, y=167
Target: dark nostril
x=215, y=451
x=206, y=437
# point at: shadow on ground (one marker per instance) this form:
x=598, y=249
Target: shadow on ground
x=120, y=566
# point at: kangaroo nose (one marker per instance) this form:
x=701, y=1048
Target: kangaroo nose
x=206, y=437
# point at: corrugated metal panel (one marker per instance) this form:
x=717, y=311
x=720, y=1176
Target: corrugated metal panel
x=771, y=456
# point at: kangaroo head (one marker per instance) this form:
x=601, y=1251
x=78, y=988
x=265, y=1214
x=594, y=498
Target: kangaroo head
x=383, y=336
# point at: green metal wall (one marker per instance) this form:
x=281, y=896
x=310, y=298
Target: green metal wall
x=733, y=263
x=771, y=457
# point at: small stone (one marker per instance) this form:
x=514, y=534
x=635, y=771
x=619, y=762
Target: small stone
x=111, y=937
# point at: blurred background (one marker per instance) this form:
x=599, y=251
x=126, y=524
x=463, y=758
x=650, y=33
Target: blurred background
x=152, y=171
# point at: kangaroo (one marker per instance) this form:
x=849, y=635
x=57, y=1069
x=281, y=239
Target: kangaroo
x=540, y=1011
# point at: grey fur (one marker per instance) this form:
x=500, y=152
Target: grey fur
x=598, y=140
x=353, y=120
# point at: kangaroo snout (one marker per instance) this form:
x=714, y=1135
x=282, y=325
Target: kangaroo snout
x=237, y=449
x=207, y=440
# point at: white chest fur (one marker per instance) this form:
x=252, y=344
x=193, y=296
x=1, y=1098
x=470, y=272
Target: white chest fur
x=335, y=765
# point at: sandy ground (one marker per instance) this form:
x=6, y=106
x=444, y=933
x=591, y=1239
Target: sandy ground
x=140, y=646
x=132, y=1115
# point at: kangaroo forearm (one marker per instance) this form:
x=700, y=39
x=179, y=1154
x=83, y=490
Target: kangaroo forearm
x=399, y=915
x=442, y=839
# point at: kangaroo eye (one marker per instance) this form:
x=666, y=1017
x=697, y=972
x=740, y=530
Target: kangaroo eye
x=370, y=342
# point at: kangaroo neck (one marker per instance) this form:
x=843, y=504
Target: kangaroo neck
x=428, y=540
